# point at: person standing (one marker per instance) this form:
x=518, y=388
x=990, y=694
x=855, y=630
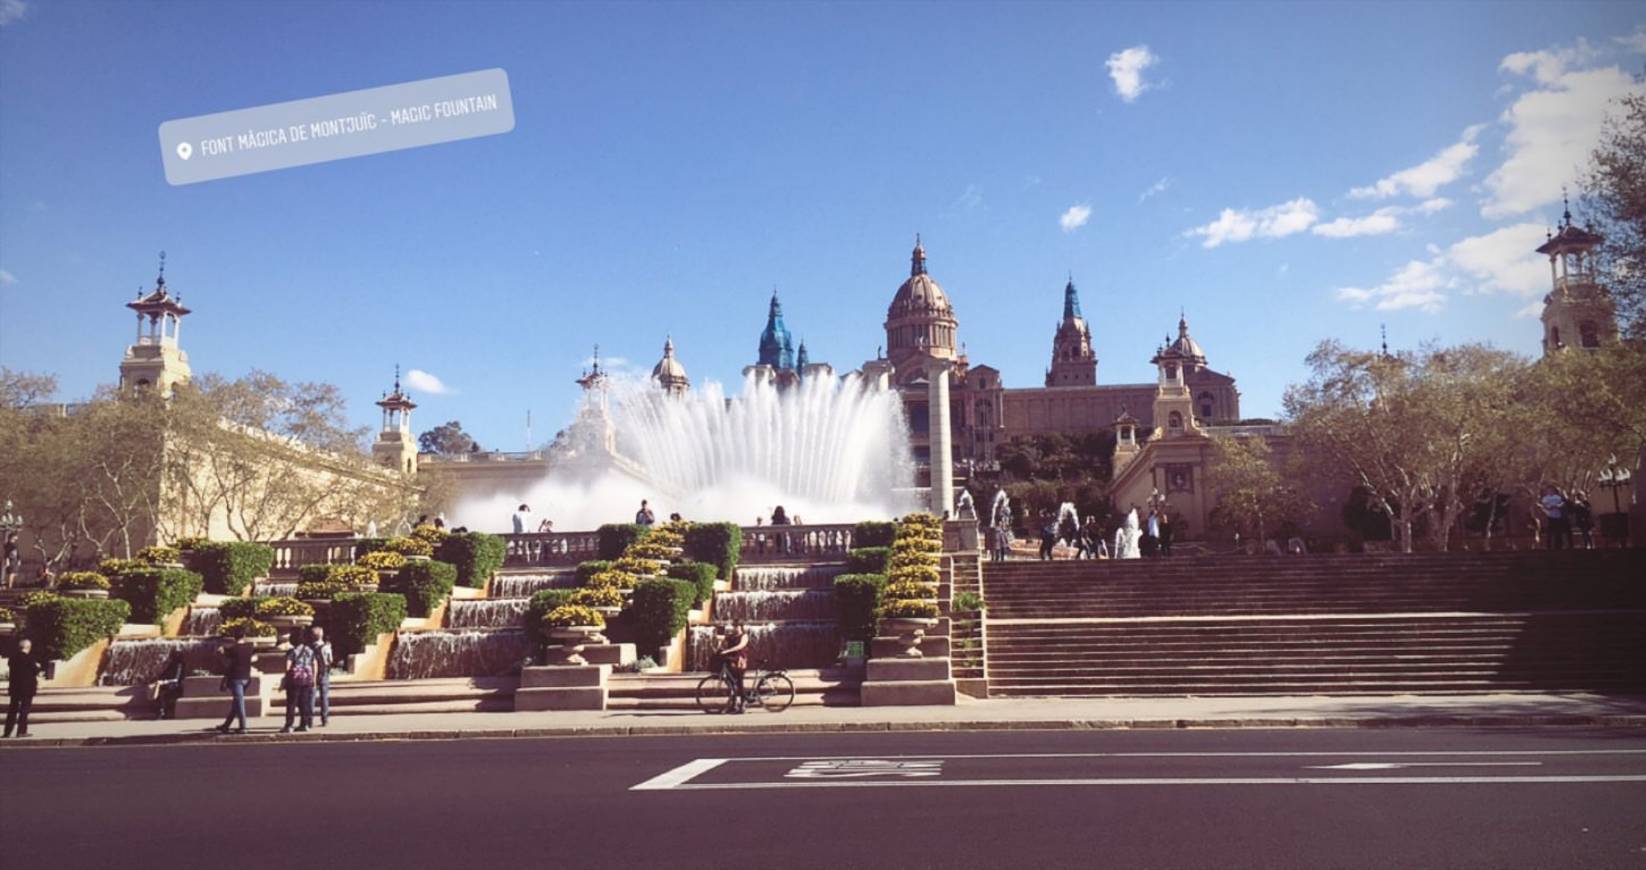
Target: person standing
x=299, y=684
x=25, y=681
x=1165, y=534
x=1559, y=534
x=1048, y=536
x=322, y=672
x=1583, y=519
x=1151, y=535
x=522, y=515
x=644, y=516
x=236, y=675
x=780, y=517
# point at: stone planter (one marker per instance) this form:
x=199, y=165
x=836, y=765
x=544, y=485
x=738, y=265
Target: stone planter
x=387, y=575
x=364, y=587
x=572, y=640
x=610, y=612
x=317, y=603
x=909, y=632
x=287, y=623
x=169, y=566
x=7, y=629
x=419, y=558
x=84, y=593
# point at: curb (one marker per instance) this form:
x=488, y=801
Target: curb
x=272, y=738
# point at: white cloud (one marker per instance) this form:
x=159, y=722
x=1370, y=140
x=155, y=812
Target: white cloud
x=970, y=198
x=1425, y=178
x=1075, y=217
x=1505, y=260
x=1552, y=128
x=12, y=10
x=1156, y=188
x=1380, y=222
x=1430, y=206
x=7, y=278
x=1419, y=284
x=1276, y=221
x=1126, y=68
x=1635, y=41
x=423, y=382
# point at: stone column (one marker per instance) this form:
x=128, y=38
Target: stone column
x=942, y=450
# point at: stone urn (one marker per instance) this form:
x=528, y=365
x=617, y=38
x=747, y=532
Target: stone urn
x=910, y=632
x=572, y=639
x=287, y=622
x=84, y=593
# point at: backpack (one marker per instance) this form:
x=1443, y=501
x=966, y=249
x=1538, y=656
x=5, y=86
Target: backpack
x=302, y=670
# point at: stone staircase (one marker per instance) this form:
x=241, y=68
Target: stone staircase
x=438, y=695
x=1337, y=624
x=93, y=704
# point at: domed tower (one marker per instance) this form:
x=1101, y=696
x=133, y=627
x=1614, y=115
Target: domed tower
x=156, y=361
x=1578, y=312
x=920, y=324
x=669, y=373
x=1074, y=363
x=776, y=345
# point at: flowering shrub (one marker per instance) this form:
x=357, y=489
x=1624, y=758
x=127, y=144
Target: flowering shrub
x=249, y=626
x=431, y=534
x=39, y=596
x=912, y=560
x=908, y=608
x=82, y=580
x=382, y=560
x=567, y=615
x=650, y=549
x=638, y=567
x=283, y=606
x=612, y=580
x=116, y=567
x=160, y=555
x=409, y=546
x=914, y=574
x=6, y=615
x=904, y=589
x=321, y=589
x=590, y=596
x=352, y=575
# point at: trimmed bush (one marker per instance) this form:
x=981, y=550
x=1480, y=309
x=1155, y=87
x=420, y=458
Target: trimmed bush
x=159, y=555
x=314, y=573
x=263, y=608
x=409, y=547
x=363, y=546
x=61, y=627
x=432, y=534
x=612, y=580
x=543, y=601
x=382, y=560
x=116, y=567
x=614, y=538
x=659, y=611
x=355, y=619
x=908, y=608
x=425, y=585
x=6, y=615
x=857, y=597
x=585, y=570
x=916, y=574
x=719, y=544
x=637, y=567
x=873, y=533
x=228, y=567
x=896, y=589
x=82, y=580
x=345, y=575
x=477, y=556
x=246, y=626
x=699, y=574
x=155, y=592
x=321, y=589
x=868, y=560
x=597, y=596
x=571, y=614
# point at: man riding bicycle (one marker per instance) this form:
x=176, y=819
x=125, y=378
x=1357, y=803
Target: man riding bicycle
x=733, y=656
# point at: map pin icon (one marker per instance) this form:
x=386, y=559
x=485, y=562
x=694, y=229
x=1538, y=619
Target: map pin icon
x=185, y=150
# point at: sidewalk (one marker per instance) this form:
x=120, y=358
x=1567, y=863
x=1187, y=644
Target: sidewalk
x=1503, y=710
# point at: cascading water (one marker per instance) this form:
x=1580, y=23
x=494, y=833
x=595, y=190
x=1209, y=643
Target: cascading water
x=786, y=604
x=771, y=578
x=777, y=645
x=789, y=613
x=524, y=585
x=273, y=588
x=201, y=621
x=487, y=613
x=133, y=661
x=457, y=653
x=829, y=449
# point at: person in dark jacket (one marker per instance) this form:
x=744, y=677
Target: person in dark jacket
x=169, y=687
x=236, y=675
x=25, y=681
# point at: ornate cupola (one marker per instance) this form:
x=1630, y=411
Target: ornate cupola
x=395, y=446
x=669, y=373
x=156, y=361
x=1578, y=312
x=776, y=345
x=1074, y=363
x=920, y=324
x=1174, y=405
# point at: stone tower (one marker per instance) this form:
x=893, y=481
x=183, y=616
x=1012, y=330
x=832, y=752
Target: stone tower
x=920, y=324
x=156, y=361
x=669, y=373
x=1074, y=364
x=1174, y=414
x=776, y=345
x=395, y=446
x=1578, y=312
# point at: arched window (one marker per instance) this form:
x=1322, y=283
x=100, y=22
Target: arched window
x=1171, y=371
x=1206, y=403
x=1554, y=336
x=1589, y=334
x=1174, y=421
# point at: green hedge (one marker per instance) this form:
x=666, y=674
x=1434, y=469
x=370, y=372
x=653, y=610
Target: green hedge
x=869, y=560
x=874, y=533
x=369, y=545
x=425, y=585
x=543, y=601
x=699, y=574
x=585, y=570
x=658, y=611
x=857, y=597
x=61, y=627
x=477, y=556
x=614, y=538
x=155, y=592
x=719, y=544
x=228, y=567
x=355, y=619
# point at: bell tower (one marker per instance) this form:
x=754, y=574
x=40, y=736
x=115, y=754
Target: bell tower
x=1578, y=312
x=156, y=361
x=395, y=446
x=1173, y=401
x=1074, y=364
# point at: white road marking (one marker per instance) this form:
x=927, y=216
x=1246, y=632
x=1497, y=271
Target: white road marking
x=1395, y=765
x=859, y=768
x=1335, y=780
x=1360, y=752
x=673, y=778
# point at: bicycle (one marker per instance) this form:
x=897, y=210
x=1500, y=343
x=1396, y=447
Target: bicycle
x=771, y=690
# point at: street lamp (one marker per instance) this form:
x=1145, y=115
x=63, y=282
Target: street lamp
x=11, y=523
x=1616, y=477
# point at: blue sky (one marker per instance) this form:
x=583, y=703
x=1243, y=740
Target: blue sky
x=1285, y=173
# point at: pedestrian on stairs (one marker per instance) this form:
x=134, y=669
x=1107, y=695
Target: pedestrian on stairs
x=322, y=672
x=1048, y=536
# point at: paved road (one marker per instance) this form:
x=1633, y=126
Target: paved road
x=1178, y=799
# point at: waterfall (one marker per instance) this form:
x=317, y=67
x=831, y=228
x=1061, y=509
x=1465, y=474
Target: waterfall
x=808, y=605
x=523, y=585
x=131, y=662
x=772, y=578
x=486, y=613
x=273, y=588
x=777, y=645
x=457, y=653
x=201, y=621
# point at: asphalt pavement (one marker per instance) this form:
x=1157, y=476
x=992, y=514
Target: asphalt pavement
x=1411, y=797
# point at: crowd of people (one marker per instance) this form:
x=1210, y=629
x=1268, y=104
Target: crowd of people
x=1563, y=515
x=306, y=681
x=1131, y=537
